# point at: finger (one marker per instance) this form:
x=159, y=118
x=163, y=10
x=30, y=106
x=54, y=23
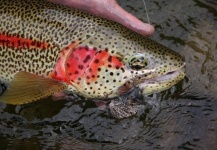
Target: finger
x=116, y=13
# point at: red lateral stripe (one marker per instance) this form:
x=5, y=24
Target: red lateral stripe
x=15, y=41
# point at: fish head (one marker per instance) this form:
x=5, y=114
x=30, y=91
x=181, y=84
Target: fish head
x=111, y=63
x=113, y=70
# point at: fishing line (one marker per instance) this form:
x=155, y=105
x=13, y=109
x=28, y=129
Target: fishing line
x=146, y=11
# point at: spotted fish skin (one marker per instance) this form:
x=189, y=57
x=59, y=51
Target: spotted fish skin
x=94, y=57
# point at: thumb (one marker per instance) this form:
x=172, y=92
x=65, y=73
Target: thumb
x=111, y=10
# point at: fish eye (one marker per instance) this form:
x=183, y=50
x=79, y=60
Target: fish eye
x=138, y=62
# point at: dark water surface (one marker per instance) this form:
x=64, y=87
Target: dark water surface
x=184, y=117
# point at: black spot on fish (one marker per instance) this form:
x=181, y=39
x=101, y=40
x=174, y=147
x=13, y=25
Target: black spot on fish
x=68, y=65
x=86, y=59
x=122, y=69
x=110, y=59
x=96, y=61
x=117, y=67
x=80, y=66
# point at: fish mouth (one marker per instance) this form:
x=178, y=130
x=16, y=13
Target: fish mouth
x=153, y=85
x=161, y=83
x=169, y=76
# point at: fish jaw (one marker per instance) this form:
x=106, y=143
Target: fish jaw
x=161, y=83
x=150, y=81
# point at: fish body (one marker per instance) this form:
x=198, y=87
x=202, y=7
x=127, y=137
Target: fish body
x=46, y=48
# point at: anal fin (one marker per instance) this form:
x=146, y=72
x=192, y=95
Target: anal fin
x=27, y=87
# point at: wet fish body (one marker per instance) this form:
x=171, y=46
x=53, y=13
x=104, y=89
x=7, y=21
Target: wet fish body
x=46, y=48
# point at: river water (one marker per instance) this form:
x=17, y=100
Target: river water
x=183, y=117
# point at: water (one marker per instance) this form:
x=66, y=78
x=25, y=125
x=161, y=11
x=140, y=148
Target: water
x=184, y=117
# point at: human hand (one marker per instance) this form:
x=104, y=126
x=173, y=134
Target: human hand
x=111, y=10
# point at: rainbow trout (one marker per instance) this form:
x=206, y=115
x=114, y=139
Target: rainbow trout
x=47, y=48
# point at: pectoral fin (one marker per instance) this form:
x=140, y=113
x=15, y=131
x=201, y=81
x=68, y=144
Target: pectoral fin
x=27, y=87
